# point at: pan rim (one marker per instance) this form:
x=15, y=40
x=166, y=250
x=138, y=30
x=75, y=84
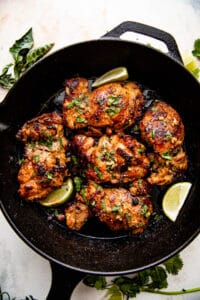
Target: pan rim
x=42, y=253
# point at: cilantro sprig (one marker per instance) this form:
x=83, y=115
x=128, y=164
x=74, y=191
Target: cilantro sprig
x=24, y=56
x=152, y=280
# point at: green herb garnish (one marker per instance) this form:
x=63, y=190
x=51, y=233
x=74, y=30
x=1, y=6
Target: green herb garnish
x=167, y=155
x=24, y=56
x=78, y=182
x=100, y=175
x=36, y=158
x=196, y=51
x=152, y=280
x=81, y=120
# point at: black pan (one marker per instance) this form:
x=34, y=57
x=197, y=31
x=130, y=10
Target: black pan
x=91, y=251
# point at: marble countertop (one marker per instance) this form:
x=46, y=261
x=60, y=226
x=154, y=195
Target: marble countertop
x=22, y=271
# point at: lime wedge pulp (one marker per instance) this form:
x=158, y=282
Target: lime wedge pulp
x=117, y=74
x=60, y=195
x=174, y=199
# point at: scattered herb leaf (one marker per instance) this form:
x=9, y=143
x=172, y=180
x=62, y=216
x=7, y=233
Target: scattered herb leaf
x=196, y=51
x=6, y=78
x=24, y=57
x=99, y=282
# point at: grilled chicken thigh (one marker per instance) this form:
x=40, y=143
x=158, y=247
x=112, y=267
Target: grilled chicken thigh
x=114, y=105
x=106, y=155
x=162, y=128
x=119, y=158
x=163, y=170
x=44, y=166
x=117, y=207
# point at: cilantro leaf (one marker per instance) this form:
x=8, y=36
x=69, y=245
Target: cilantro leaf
x=159, y=278
x=196, y=51
x=174, y=264
x=128, y=286
x=99, y=282
x=114, y=293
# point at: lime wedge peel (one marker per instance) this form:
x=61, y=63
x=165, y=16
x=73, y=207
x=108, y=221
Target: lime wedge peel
x=59, y=196
x=174, y=199
x=117, y=74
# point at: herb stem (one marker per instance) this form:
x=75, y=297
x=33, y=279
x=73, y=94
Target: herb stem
x=148, y=290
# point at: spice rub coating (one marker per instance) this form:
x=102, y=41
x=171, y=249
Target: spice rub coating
x=162, y=128
x=115, y=105
x=44, y=165
x=118, y=208
x=118, y=158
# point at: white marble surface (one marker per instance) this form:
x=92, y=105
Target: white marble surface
x=22, y=271
x=65, y=22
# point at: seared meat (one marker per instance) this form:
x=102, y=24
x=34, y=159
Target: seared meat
x=162, y=128
x=44, y=166
x=139, y=187
x=116, y=159
x=164, y=170
x=76, y=214
x=115, y=105
x=47, y=127
x=116, y=207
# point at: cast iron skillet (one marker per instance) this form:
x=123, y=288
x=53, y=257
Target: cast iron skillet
x=164, y=73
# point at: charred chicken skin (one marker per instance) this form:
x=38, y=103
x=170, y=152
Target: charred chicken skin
x=119, y=158
x=163, y=170
x=44, y=166
x=162, y=128
x=114, y=105
x=117, y=207
x=117, y=169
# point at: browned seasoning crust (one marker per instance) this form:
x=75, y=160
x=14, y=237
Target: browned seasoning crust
x=76, y=215
x=162, y=128
x=118, y=158
x=105, y=153
x=44, y=166
x=117, y=207
x=115, y=105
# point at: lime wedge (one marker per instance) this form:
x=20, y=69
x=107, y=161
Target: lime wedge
x=174, y=199
x=59, y=196
x=117, y=74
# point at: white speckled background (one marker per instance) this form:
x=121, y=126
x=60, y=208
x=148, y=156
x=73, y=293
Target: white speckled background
x=22, y=271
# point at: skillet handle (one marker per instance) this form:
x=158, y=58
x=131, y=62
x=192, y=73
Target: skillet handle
x=147, y=30
x=64, y=281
